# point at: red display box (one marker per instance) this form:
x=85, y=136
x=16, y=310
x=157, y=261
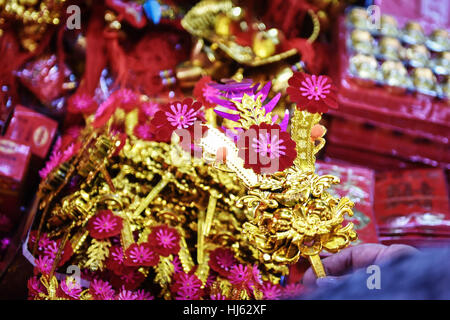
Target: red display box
x=413, y=203
x=32, y=129
x=357, y=184
x=343, y=132
x=417, y=115
x=14, y=163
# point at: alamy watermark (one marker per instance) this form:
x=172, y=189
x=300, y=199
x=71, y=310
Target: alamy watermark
x=374, y=280
x=73, y=21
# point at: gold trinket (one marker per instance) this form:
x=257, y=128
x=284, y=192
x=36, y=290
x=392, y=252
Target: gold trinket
x=418, y=55
x=439, y=40
x=363, y=66
x=424, y=80
x=391, y=49
x=394, y=73
x=362, y=41
x=413, y=33
x=389, y=26
x=359, y=18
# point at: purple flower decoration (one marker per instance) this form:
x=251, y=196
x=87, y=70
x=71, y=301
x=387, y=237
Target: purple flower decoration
x=233, y=91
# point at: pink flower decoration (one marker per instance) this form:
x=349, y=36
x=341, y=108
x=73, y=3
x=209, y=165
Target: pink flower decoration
x=221, y=260
x=210, y=92
x=188, y=294
x=143, y=131
x=131, y=278
x=203, y=92
x=265, y=148
x=101, y=290
x=269, y=145
x=256, y=280
x=44, y=241
x=117, y=254
x=70, y=151
x=176, y=115
x=123, y=98
x=181, y=116
x=211, y=278
x=271, y=291
x=51, y=249
x=71, y=288
x=127, y=99
x=239, y=275
x=43, y=265
x=143, y=295
x=104, y=112
x=116, y=259
x=82, y=103
x=52, y=163
x=34, y=287
x=126, y=295
x=311, y=92
x=148, y=109
x=189, y=281
x=293, y=290
x=165, y=240
x=177, y=268
x=104, y=224
x=141, y=255
x=218, y=296
x=186, y=285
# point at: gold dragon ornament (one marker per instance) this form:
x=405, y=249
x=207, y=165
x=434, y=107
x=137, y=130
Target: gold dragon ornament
x=293, y=215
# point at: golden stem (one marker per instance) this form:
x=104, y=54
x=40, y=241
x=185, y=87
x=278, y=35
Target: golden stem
x=200, y=236
x=301, y=124
x=58, y=254
x=317, y=266
x=107, y=177
x=185, y=256
x=152, y=194
x=210, y=212
x=211, y=117
x=126, y=235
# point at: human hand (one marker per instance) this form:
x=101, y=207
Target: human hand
x=338, y=265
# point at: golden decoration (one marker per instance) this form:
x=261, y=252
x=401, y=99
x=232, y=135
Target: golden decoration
x=292, y=215
x=209, y=19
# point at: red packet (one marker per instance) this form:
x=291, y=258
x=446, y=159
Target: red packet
x=357, y=184
x=32, y=129
x=14, y=160
x=412, y=201
x=389, y=143
x=343, y=154
x=414, y=114
x=46, y=79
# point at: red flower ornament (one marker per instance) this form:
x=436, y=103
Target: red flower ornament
x=101, y=290
x=104, y=224
x=312, y=93
x=131, y=278
x=165, y=240
x=203, y=92
x=221, y=260
x=141, y=255
x=176, y=115
x=266, y=149
x=81, y=103
x=115, y=260
x=143, y=131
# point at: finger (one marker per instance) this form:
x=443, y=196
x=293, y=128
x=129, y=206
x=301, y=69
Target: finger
x=332, y=265
x=329, y=281
x=357, y=257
